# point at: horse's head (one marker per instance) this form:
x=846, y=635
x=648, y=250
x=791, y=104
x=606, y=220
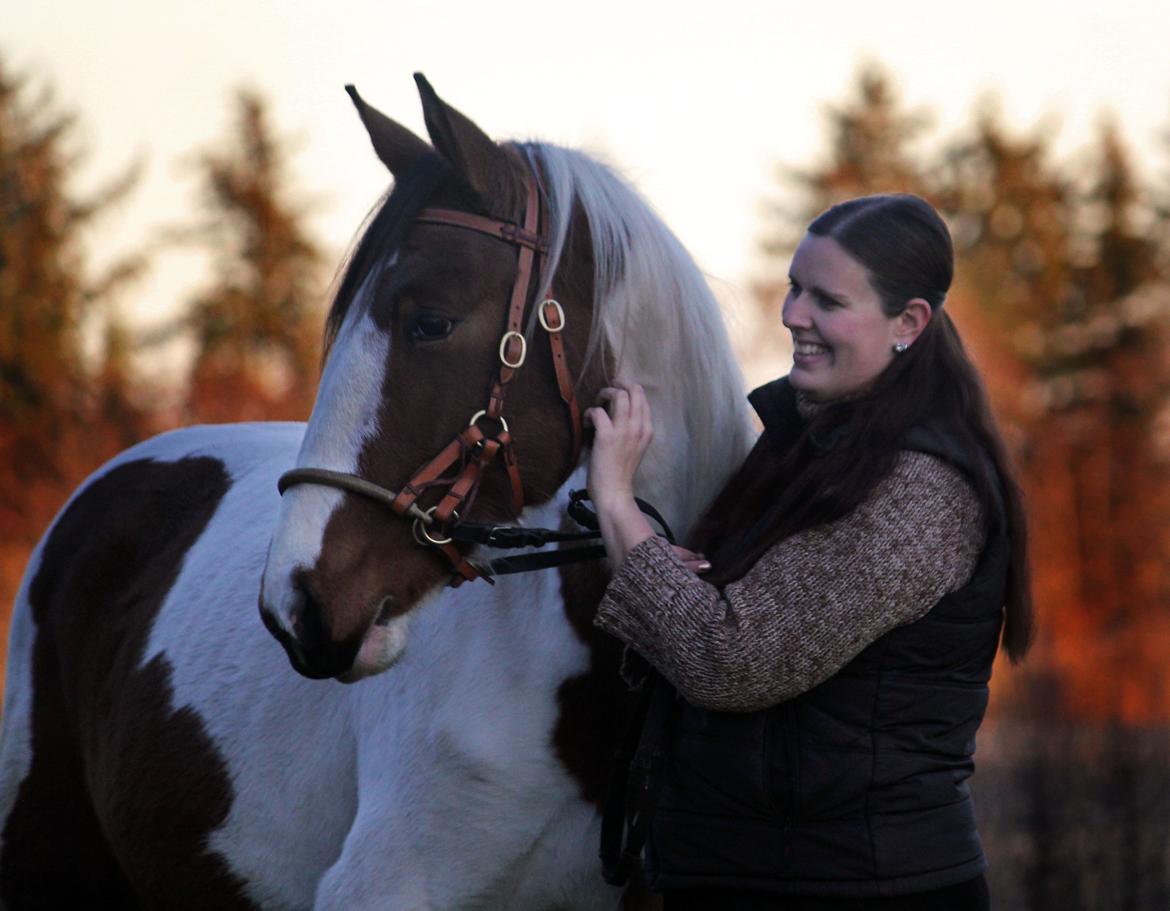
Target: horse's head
x=440, y=388
x=439, y=334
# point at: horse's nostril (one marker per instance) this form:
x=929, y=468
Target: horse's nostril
x=307, y=615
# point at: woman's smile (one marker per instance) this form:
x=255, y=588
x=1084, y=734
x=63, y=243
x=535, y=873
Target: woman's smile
x=807, y=353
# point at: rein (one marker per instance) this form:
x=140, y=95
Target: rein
x=460, y=465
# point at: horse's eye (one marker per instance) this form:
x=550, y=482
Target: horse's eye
x=430, y=327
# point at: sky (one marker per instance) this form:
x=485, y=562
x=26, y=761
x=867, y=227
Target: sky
x=697, y=102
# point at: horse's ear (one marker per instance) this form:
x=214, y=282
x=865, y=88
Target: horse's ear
x=482, y=164
x=395, y=144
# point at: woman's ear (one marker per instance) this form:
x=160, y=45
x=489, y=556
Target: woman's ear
x=912, y=321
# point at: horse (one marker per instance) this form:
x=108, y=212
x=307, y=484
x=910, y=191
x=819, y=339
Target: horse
x=388, y=730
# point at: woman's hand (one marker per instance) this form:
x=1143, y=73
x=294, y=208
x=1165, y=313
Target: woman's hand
x=621, y=435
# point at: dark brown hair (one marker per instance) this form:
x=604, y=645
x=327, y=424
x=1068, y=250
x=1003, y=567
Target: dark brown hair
x=831, y=463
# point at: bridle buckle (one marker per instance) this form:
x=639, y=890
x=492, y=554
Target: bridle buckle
x=519, y=362
x=557, y=309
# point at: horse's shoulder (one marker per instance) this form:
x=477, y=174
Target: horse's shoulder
x=104, y=571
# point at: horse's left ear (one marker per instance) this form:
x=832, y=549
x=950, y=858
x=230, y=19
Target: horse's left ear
x=482, y=164
x=395, y=144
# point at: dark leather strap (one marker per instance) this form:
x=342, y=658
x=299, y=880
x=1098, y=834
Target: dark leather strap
x=504, y=230
x=632, y=792
x=435, y=468
x=552, y=318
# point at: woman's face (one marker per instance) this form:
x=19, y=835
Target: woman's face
x=841, y=339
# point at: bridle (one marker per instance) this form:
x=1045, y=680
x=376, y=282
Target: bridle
x=460, y=465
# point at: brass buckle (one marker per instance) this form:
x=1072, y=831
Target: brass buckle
x=560, y=312
x=523, y=350
x=419, y=530
x=479, y=414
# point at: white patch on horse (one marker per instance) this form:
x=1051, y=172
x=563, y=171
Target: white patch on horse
x=351, y=395
x=287, y=742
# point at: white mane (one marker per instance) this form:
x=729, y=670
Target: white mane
x=659, y=326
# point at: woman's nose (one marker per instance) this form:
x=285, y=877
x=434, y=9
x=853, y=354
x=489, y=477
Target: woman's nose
x=794, y=313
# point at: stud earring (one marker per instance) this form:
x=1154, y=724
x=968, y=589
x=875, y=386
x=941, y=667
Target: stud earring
x=900, y=348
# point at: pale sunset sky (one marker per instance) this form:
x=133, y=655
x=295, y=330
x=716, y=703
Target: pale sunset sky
x=696, y=102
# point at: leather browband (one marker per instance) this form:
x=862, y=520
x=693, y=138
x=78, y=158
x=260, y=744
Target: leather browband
x=504, y=230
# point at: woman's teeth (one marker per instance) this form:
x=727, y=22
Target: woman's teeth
x=810, y=348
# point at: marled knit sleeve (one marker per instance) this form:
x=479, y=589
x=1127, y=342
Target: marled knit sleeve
x=811, y=603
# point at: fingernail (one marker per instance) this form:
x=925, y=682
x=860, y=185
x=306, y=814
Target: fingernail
x=704, y=566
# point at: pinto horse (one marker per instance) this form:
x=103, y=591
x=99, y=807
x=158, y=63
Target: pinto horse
x=159, y=751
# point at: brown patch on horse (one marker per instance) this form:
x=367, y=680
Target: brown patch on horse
x=594, y=706
x=122, y=792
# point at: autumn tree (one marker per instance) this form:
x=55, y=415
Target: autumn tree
x=257, y=325
x=49, y=298
x=53, y=396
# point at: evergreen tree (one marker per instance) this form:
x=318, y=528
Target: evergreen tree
x=871, y=150
x=257, y=327
x=48, y=296
x=53, y=397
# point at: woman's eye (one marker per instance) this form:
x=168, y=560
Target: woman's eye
x=793, y=288
x=430, y=327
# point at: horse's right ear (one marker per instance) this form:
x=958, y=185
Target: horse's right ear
x=395, y=144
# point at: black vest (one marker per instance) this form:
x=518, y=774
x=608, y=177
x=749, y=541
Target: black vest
x=858, y=787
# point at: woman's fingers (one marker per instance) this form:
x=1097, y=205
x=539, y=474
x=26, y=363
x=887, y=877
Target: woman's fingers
x=597, y=418
x=618, y=400
x=640, y=408
x=695, y=562
x=627, y=405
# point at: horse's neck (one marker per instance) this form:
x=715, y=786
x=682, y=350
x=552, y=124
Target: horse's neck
x=536, y=618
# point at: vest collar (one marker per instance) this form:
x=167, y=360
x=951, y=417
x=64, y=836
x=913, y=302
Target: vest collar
x=775, y=403
x=784, y=412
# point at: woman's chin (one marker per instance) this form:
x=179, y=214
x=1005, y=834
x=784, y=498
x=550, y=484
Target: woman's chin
x=805, y=381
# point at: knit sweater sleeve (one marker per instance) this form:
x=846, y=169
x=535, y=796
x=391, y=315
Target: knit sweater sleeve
x=811, y=603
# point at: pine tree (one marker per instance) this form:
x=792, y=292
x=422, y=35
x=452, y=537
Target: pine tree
x=871, y=150
x=256, y=328
x=48, y=296
x=53, y=397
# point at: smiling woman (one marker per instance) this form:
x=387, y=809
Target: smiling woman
x=863, y=562
x=842, y=337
